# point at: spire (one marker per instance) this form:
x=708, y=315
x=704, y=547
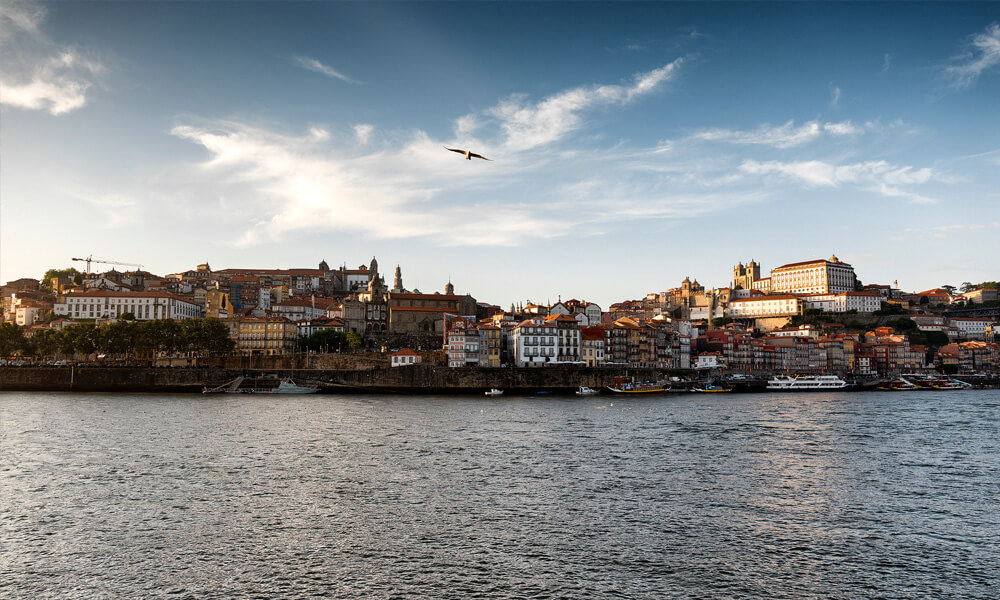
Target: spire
x=397, y=283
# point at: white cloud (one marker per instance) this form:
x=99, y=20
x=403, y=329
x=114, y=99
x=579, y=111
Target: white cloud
x=40, y=75
x=58, y=85
x=312, y=64
x=982, y=53
x=886, y=62
x=783, y=136
x=303, y=184
x=877, y=176
x=410, y=187
x=526, y=126
x=19, y=15
x=363, y=132
x=835, y=97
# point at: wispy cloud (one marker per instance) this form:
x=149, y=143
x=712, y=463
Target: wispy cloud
x=886, y=62
x=876, y=176
x=20, y=15
x=783, y=136
x=40, y=75
x=312, y=64
x=528, y=125
x=835, y=97
x=363, y=132
x=939, y=231
x=981, y=53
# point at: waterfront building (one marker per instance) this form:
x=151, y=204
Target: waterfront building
x=263, y=335
x=567, y=338
x=491, y=344
x=404, y=358
x=533, y=343
x=592, y=346
x=463, y=342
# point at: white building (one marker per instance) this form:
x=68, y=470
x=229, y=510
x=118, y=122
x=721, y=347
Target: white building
x=813, y=277
x=765, y=306
x=302, y=309
x=144, y=306
x=534, y=343
x=709, y=360
x=404, y=358
x=862, y=302
x=307, y=327
x=971, y=328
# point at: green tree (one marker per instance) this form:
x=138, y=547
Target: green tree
x=721, y=321
x=45, y=342
x=83, y=338
x=12, y=339
x=326, y=340
x=116, y=337
x=46, y=283
x=903, y=325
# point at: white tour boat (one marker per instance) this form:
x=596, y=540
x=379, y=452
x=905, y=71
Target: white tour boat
x=586, y=391
x=806, y=383
x=494, y=392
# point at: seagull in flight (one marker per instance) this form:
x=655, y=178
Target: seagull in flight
x=469, y=154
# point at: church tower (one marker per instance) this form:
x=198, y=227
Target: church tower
x=397, y=284
x=449, y=289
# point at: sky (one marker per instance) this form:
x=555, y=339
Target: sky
x=631, y=144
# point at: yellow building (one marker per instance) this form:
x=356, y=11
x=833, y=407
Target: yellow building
x=491, y=340
x=265, y=335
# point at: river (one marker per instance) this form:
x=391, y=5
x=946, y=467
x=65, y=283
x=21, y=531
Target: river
x=828, y=495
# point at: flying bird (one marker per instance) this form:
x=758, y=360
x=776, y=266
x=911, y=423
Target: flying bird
x=469, y=154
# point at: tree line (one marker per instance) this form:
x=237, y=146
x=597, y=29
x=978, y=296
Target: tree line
x=122, y=337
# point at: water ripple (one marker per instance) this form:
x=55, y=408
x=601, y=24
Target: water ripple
x=748, y=496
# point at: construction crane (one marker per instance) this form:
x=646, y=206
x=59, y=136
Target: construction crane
x=101, y=261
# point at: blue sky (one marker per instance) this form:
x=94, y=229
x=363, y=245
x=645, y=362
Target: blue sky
x=632, y=144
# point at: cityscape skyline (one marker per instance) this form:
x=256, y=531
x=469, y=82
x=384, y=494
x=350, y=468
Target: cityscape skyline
x=632, y=145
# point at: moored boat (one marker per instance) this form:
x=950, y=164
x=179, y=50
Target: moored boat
x=286, y=386
x=494, y=392
x=805, y=383
x=586, y=391
x=711, y=388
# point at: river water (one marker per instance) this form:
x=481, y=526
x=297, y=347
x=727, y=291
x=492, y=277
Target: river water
x=834, y=495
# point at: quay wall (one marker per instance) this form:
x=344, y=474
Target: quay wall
x=413, y=379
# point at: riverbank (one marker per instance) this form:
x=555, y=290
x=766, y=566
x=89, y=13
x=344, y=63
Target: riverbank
x=413, y=379
x=419, y=379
